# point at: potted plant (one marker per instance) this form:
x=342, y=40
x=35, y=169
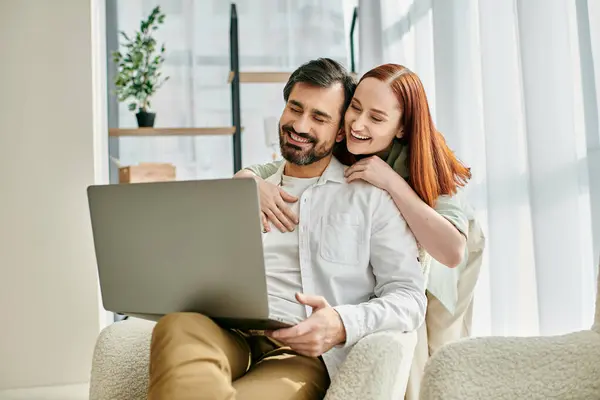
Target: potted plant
x=139, y=75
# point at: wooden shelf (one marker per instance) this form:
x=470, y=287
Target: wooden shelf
x=267, y=77
x=261, y=77
x=221, y=130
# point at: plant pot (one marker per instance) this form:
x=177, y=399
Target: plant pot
x=145, y=119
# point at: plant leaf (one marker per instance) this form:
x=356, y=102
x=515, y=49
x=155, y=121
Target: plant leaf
x=138, y=66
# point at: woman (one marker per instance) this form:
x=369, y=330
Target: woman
x=392, y=143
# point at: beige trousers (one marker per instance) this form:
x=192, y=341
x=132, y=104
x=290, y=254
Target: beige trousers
x=442, y=327
x=191, y=357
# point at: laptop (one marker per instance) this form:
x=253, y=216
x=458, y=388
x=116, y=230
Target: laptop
x=184, y=246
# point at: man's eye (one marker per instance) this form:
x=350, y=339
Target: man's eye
x=319, y=119
x=296, y=110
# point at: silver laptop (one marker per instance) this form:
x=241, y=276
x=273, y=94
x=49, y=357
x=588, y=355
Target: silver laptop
x=191, y=246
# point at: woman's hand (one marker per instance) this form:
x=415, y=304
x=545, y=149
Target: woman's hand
x=273, y=205
x=373, y=170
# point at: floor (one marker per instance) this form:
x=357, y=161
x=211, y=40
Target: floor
x=71, y=392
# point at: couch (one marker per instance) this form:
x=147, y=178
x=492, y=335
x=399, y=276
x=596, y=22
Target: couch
x=377, y=367
x=534, y=368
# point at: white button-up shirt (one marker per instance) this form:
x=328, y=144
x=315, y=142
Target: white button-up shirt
x=357, y=251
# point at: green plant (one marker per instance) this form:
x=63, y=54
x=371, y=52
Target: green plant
x=138, y=75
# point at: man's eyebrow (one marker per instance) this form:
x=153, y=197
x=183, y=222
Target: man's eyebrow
x=321, y=113
x=314, y=110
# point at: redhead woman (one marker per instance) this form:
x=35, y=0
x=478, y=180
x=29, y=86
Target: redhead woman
x=391, y=142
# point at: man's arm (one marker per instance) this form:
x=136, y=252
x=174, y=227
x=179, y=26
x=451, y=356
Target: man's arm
x=400, y=301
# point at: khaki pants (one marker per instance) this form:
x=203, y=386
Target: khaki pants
x=191, y=357
x=442, y=327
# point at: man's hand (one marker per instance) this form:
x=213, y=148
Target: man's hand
x=316, y=334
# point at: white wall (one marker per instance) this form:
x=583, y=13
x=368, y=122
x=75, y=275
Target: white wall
x=49, y=305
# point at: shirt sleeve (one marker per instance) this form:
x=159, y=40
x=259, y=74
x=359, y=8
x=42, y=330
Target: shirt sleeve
x=399, y=300
x=265, y=170
x=452, y=208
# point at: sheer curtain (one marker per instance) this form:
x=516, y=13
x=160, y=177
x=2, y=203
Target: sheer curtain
x=513, y=86
x=275, y=35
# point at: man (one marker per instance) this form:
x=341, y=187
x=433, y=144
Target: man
x=349, y=270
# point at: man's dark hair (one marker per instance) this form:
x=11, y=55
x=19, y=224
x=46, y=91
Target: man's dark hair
x=323, y=73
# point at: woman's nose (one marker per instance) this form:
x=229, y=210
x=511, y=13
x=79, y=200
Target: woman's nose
x=357, y=124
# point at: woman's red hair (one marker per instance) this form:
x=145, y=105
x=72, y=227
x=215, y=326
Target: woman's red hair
x=433, y=168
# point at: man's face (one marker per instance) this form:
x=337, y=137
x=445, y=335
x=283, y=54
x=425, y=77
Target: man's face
x=309, y=126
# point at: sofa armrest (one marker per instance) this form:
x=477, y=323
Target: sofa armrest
x=120, y=363
x=376, y=368
x=558, y=367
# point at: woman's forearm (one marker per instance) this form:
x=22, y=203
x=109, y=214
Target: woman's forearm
x=435, y=233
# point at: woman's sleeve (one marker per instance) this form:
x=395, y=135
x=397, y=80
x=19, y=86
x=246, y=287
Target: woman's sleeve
x=264, y=170
x=452, y=208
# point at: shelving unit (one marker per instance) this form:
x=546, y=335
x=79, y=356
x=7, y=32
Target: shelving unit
x=159, y=132
x=261, y=77
x=234, y=79
x=215, y=131
x=352, y=27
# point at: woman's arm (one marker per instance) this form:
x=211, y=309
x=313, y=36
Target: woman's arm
x=259, y=170
x=246, y=173
x=442, y=239
x=438, y=236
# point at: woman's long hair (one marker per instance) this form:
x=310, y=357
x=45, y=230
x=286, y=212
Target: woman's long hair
x=433, y=168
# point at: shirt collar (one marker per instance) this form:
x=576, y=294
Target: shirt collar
x=334, y=173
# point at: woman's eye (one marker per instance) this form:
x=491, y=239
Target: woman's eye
x=376, y=119
x=355, y=107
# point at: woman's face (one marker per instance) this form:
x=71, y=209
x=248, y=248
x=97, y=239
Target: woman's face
x=373, y=118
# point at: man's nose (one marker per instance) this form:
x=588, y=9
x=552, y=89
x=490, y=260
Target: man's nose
x=302, y=124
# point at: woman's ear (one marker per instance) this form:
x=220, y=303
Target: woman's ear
x=400, y=132
x=341, y=135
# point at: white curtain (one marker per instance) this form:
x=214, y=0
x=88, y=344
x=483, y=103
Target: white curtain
x=513, y=86
x=275, y=35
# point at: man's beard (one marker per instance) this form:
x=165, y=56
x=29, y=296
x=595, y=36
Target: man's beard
x=302, y=155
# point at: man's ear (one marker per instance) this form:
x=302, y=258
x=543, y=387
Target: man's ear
x=341, y=135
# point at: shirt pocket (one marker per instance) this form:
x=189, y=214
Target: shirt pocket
x=340, y=238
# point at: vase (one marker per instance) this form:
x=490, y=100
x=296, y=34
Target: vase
x=145, y=119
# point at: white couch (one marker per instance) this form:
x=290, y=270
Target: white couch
x=559, y=367
x=376, y=368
